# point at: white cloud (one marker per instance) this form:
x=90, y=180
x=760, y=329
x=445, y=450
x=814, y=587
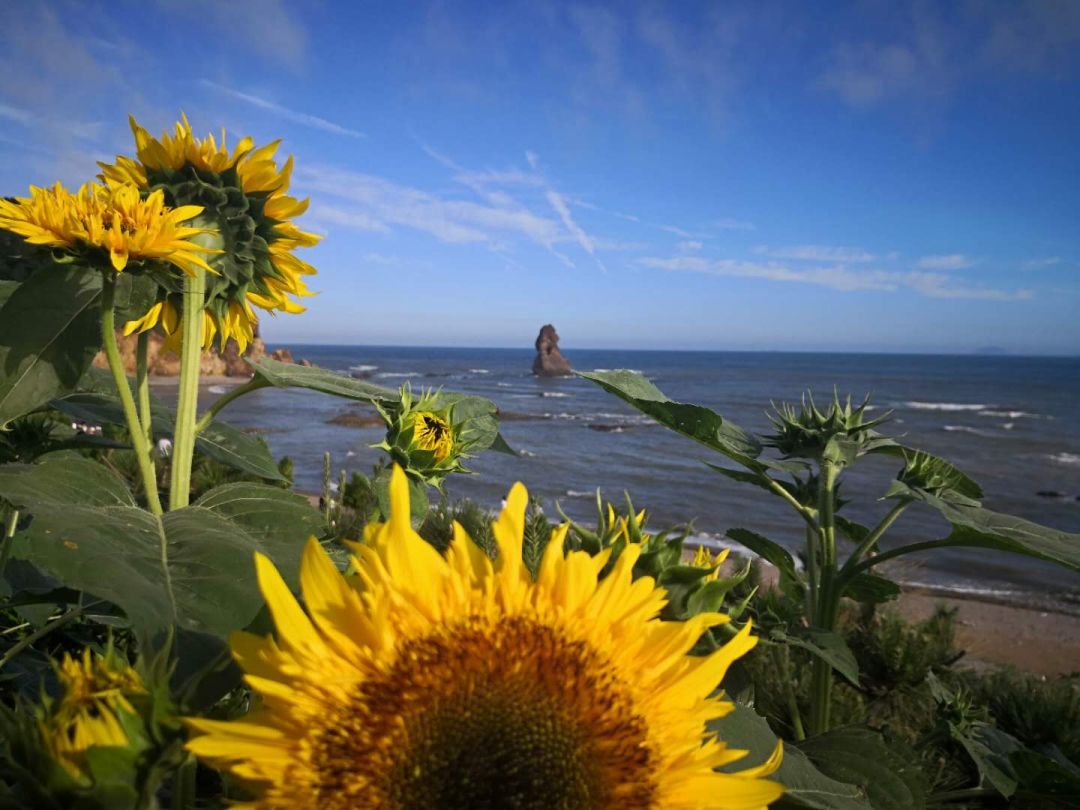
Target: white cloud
x=1039, y=264
x=304, y=119
x=689, y=245
x=816, y=253
x=949, y=261
x=560, y=207
x=16, y=114
x=838, y=277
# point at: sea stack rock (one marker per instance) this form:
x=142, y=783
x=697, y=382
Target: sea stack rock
x=549, y=361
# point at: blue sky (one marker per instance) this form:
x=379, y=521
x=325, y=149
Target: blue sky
x=899, y=176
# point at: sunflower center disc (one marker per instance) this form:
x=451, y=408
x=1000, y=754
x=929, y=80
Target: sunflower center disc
x=489, y=716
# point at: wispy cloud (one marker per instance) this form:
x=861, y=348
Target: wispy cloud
x=689, y=245
x=816, y=253
x=948, y=261
x=838, y=277
x=302, y=118
x=1041, y=263
x=16, y=114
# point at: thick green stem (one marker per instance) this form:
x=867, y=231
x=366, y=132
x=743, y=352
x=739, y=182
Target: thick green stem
x=187, y=401
x=811, y=570
x=127, y=401
x=183, y=791
x=825, y=612
x=252, y=385
x=9, y=538
x=784, y=654
x=870, y=562
x=142, y=384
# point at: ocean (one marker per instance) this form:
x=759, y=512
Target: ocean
x=1007, y=421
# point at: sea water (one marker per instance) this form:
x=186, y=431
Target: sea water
x=1010, y=422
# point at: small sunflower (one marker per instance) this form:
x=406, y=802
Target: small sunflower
x=112, y=221
x=456, y=682
x=433, y=432
x=95, y=690
x=244, y=194
x=704, y=559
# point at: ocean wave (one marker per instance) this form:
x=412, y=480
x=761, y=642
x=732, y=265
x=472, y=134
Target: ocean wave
x=363, y=367
x=504, y=385
x=1065, y=458
x=388, y=374
x=479, y=371
x=633, y=370
x=1011, y=414
x=216, y=389
x=577, y=493
x=967, y=429
x=946, y=406
x=553, y=394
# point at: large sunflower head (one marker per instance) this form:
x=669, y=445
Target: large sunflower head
x=111, y=225
x=425, y=681
x=94, y=708
x=243, y=192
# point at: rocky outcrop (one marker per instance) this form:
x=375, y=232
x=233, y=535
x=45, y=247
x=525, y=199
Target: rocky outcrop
x=549, y=361
x=161, y=363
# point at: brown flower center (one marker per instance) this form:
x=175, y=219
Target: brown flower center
x=487, y=715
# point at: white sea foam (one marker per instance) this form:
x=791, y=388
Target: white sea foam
x=577, y=493
x=479, y=371
x=363, y=367
x=398, y=374
x=946, y=406
x=601, y=370
x=966, y=429
x=1010, y=414
x=553, y=394
x=1065, y=458
x=216, y=389
x=504, y=385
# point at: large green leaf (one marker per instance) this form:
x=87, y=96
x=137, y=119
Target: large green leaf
x=265, y=511
x=219, y=440
x=49, y=333
x=981, y=528
x=805, y=786
x=63, y=478
x=886, y=770
x=192, y=567
x=288, y=375
x=693, y=421
x=830, y=647
x=7, y=289
x=478, y=413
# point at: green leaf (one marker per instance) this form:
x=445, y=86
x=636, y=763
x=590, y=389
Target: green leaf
x=830, y=647
x=479, y=414
x=66, y=478
x=288, y=375
x=693, y=421
x=7, y=289
x=767, y=549
x=855, y=532
x=500, y=445
x=980, y=528
x=268, y=513
x=871, y=588
x=192, y=567
x=805, y=785
x=219, y=440
x=1044, y=777
x=49, y=333
x=990, y=750
x=886, y=770
x=922, y=466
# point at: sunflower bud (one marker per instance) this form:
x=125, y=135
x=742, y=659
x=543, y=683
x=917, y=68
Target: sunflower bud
x=839, y=434
x=96, y=709
x=425, y=436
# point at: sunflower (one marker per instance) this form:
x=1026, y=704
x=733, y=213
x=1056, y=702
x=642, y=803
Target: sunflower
x=703, y=559
x=244, y=194
x=432, y=432
x=95, y=690
x=112, y=221
x=432, y=682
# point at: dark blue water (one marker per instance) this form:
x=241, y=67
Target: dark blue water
x=1008, y=421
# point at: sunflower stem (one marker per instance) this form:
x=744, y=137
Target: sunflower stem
x=825, y=610
x=187, y=401
x=8, y=538
x=123, y=389
x=142, y=384
x=254, y=384
x=872, y=538
x=183, y=792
